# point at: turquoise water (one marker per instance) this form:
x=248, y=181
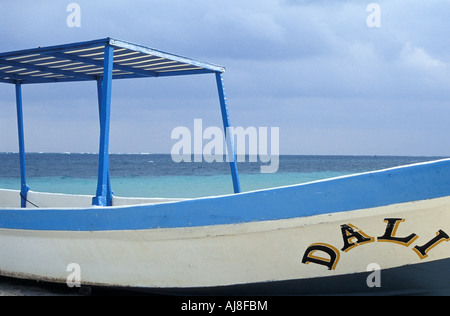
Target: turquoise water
x=166, y=186
x=139, y=175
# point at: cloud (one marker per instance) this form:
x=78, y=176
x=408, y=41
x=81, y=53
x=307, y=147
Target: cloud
x=300, y=65
x=417, y=57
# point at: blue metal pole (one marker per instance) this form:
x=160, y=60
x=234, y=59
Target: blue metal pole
x=99, y=95
x=103, y=190
x=23, y=182
x=229, y=138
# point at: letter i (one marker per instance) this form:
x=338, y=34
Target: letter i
x=422, y=251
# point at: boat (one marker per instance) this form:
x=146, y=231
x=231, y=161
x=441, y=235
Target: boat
x=384, y=232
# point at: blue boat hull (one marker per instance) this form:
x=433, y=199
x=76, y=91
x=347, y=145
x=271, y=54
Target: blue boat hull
x=362, y=191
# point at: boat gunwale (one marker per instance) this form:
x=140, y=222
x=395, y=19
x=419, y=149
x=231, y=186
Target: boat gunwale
x=182, y=200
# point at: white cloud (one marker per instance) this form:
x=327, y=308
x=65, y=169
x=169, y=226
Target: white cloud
x=417, y=57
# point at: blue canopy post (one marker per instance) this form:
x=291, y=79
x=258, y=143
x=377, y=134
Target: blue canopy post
x=229, y=138
x=23, y=182
x=104, y=194
x=108, y=180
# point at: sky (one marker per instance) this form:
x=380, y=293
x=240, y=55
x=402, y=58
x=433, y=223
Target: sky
x=331, y=79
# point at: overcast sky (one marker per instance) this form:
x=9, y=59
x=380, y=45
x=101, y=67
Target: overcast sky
x=315, y=69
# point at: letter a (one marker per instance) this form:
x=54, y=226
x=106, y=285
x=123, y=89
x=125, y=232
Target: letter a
x=374, y=279
x=374, y=18
x=181, y=150
x=74, y=18
x=74, y=278
x=350, y=233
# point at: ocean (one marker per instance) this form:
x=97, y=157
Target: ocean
x=157, y=175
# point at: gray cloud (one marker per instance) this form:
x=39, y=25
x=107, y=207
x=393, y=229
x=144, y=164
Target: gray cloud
x=310, y=67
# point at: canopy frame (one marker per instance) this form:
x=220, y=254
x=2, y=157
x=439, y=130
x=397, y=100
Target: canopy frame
x=102, y=61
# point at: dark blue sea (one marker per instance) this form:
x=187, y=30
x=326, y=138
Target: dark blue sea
x=157, y=175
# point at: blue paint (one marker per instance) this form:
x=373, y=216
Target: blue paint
x=184, y=72
x=91, y=61
x=154, y=52
x=229, y=138
x=23, y=182
x=7, y=80
x=104, y=195
x=68, y=53
x=46, y=69
x=110, y=194
x=56, y=48
x=398, y=185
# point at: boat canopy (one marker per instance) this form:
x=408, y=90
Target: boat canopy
x=85, y=61
x=102, y=61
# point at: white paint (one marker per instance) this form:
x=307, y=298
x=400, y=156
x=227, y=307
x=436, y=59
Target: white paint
x=221, y=254
x=11, y=199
